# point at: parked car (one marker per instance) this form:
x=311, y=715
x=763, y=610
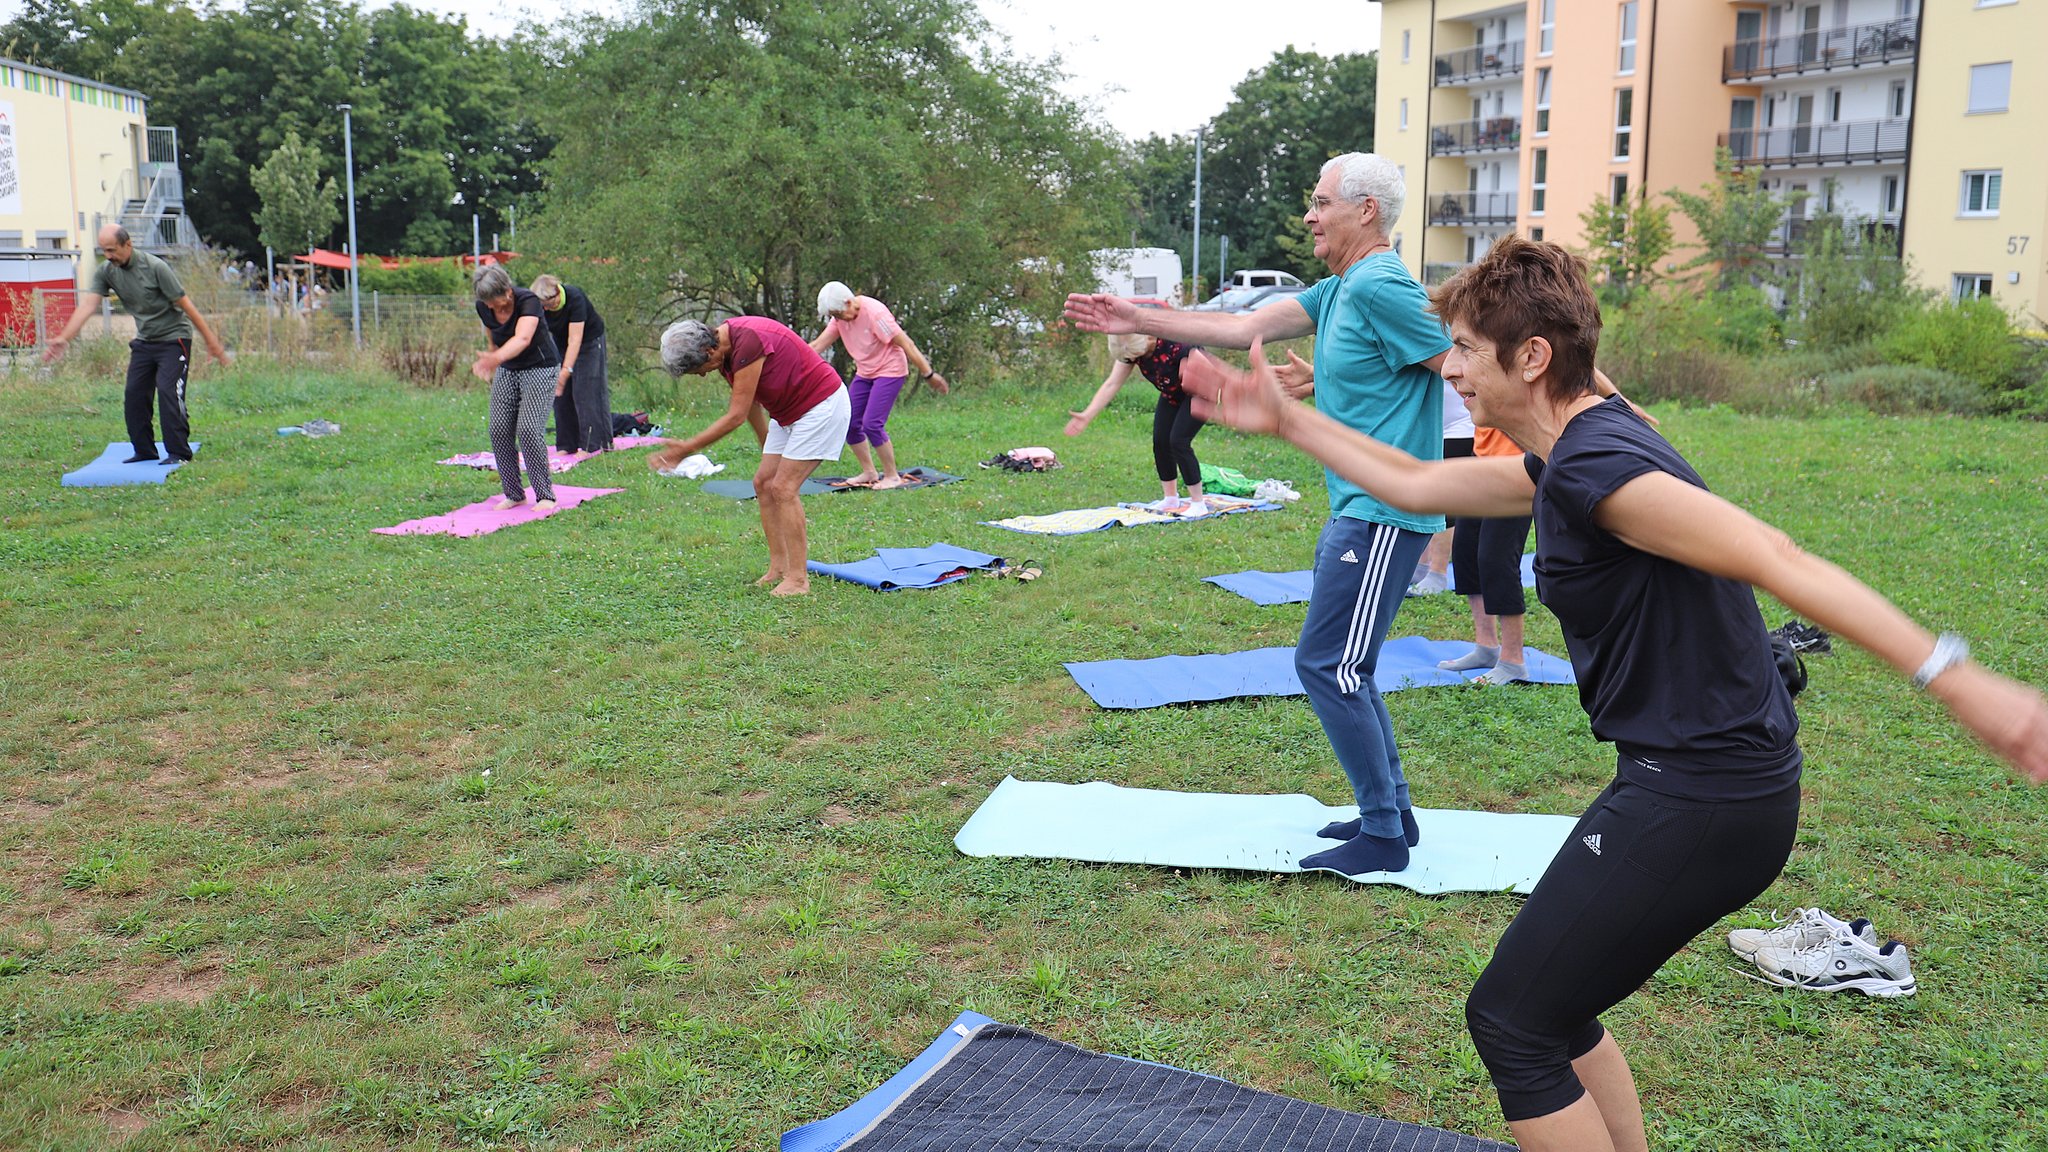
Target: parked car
x=1262, y=278
x=1249, y=299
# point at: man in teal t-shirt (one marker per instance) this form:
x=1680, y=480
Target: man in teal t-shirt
x=1377, y=355
x=160, y=356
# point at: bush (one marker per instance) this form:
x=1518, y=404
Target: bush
x=445, y=278
x=1743, y=320
x=1972, y=340
x=1905, y=389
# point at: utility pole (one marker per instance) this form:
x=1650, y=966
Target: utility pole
x=1223, y=262
x=1196, y=263
x=476, y=243
x=355, y=295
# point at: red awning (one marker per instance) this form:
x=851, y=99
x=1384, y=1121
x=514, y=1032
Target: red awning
x=321, y=257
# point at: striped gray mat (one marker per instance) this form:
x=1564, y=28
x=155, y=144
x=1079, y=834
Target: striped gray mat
x=1010, y=1088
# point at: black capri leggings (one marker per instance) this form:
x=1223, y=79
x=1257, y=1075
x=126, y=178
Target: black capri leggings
x=1486, y=559
x=1639, y=877
x=1173, y=441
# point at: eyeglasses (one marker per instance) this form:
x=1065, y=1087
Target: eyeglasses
x=1315, y=203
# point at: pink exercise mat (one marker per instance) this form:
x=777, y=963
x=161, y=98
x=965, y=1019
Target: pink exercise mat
x=478, y=519
x=558, y=460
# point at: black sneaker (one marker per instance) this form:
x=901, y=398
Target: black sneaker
x=138, y=459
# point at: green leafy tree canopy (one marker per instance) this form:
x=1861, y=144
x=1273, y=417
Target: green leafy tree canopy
x=298, y=211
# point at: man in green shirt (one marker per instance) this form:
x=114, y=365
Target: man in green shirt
x=160, y=356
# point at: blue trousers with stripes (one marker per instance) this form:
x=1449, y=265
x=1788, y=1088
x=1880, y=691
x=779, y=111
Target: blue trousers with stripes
x=1361, y=575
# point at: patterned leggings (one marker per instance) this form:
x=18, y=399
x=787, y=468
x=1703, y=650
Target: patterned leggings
x=520, y=403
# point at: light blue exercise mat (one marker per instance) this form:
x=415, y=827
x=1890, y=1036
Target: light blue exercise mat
x=1269, y=588
x=1106, y=824
x=1408, y=662
x=108, y=472
x=891, y=569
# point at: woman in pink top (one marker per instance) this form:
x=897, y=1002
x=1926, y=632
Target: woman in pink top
x=796, y=405
x=879, y=347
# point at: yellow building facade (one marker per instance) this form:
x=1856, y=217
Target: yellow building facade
x=1518, y=117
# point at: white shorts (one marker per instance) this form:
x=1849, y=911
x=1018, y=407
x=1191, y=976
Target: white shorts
x=819, y=434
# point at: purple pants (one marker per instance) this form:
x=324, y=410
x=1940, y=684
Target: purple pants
x=872, y=399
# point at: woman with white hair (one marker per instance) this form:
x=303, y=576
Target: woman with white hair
x=521, y=366
x=583, y=394
x=796, y=405
x=1174, y=423
x=881, y=352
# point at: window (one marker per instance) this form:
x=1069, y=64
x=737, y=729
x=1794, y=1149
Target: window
x=10, y=239
x=1891, y=195
x=1624, y=117
x=1536, y=234
x=1980, y=192
x=1407, y=37
x=1404, y=113
x=1546, y=28
x=1969, y=286
x=1540, y=182
x=1619, y=191
x=1990, y=85
x=1542, y=101
x=1628, y=38
x=1995, y=3
x=1896, y=102
x=1397, y=243
x=1834, y=105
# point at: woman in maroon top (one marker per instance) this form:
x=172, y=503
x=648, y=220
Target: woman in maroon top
x=1173, y=421
x=796, y=405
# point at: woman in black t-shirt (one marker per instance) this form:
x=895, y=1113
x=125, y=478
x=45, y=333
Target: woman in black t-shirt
x=1174, y=423
x=583, y=393
x=1650, y=576
x=521, y=366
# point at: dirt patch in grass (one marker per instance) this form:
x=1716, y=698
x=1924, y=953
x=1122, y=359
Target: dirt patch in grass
x=122, y=1125
x=837, y=816
x=169, y=984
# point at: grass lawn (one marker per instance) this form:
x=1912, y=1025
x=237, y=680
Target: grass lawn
x=569, y=837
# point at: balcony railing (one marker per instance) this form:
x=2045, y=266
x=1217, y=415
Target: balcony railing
x=1435, y=274
x=1455, y=209
x=1822, y=50
x=1468, y=137
x=1479, y=64
x=1819, y=145
x=1790, y=234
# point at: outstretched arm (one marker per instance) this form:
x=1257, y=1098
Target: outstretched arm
x=1118, y=373
x=87, y=305
x=925, y=370
x=1101, y=312
x=1663, y=515
x=1253, y=402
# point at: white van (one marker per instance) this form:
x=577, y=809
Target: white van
x=1262, y=278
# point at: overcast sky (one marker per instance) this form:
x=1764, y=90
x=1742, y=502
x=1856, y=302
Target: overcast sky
x=1151, y=67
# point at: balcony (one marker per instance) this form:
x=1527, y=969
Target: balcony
x=1482, y=64
x=1790, y=235
x=1463, y=209
x=1476, y=137
x=1822, y=50
x=1819, y=145
x=1435, y=274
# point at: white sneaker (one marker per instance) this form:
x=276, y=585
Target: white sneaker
x=1844, y=962
x=1805, y=928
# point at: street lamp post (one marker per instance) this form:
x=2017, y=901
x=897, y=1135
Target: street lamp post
x=1197, y=263
x=355, y=257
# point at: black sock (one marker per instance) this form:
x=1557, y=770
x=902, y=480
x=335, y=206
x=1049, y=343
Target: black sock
x=1348, y=829
x=1360, y=855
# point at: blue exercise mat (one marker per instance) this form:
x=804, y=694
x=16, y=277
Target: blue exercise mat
x=891, y=569
x=1459, y=851
x=1269, y=588
x=1408, y=662
x=744, y=489
x=109, y=472
x=985, y=1085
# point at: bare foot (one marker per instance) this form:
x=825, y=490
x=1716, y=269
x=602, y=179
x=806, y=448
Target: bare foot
x=857, y=482
x=770, y=577
x=547, y=505
x=791, y=586
x=897, y=481
x=504, y=502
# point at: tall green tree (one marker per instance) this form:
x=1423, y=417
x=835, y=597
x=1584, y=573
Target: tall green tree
x=730, y=156
x=297, y=209
x=1625, y=244
x=1735, y=217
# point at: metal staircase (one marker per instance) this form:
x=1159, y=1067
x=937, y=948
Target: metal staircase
x=156, y=220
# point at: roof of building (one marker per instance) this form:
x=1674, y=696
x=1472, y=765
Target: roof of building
x=68, y=76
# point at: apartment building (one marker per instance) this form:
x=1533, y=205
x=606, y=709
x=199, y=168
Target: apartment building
x=1517, y=117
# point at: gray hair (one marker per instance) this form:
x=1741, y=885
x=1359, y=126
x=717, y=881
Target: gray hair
x=546, y=286
x=492, y=282
x=121, y=235
x=833, y=297
x=686, y=345
x=1366, y=176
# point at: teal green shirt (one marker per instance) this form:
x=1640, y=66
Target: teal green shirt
x=1373, y=337
x=150, y=291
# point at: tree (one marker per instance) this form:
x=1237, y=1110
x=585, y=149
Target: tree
x=1848, y=285
x=1625, y=244
x=298, y=211
x=1162, y=177
x=729, y=156
x=1735, y=217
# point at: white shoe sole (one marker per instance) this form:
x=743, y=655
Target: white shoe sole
x=1868, y=985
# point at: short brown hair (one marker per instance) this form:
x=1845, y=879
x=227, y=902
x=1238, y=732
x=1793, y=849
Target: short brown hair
x=1523, y=288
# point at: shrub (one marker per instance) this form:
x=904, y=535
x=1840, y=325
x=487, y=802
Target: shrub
x=1904, y=389
x=1743, y=320
x=445, y=278
x=1972, y=340
x=429, y=359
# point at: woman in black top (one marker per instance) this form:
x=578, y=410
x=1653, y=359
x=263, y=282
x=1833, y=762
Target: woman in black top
x=583, y=392
x=1650, y=576
x=521, y=367
x=1174, y=424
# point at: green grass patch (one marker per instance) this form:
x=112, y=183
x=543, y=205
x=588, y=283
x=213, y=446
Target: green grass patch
x=258, y=889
